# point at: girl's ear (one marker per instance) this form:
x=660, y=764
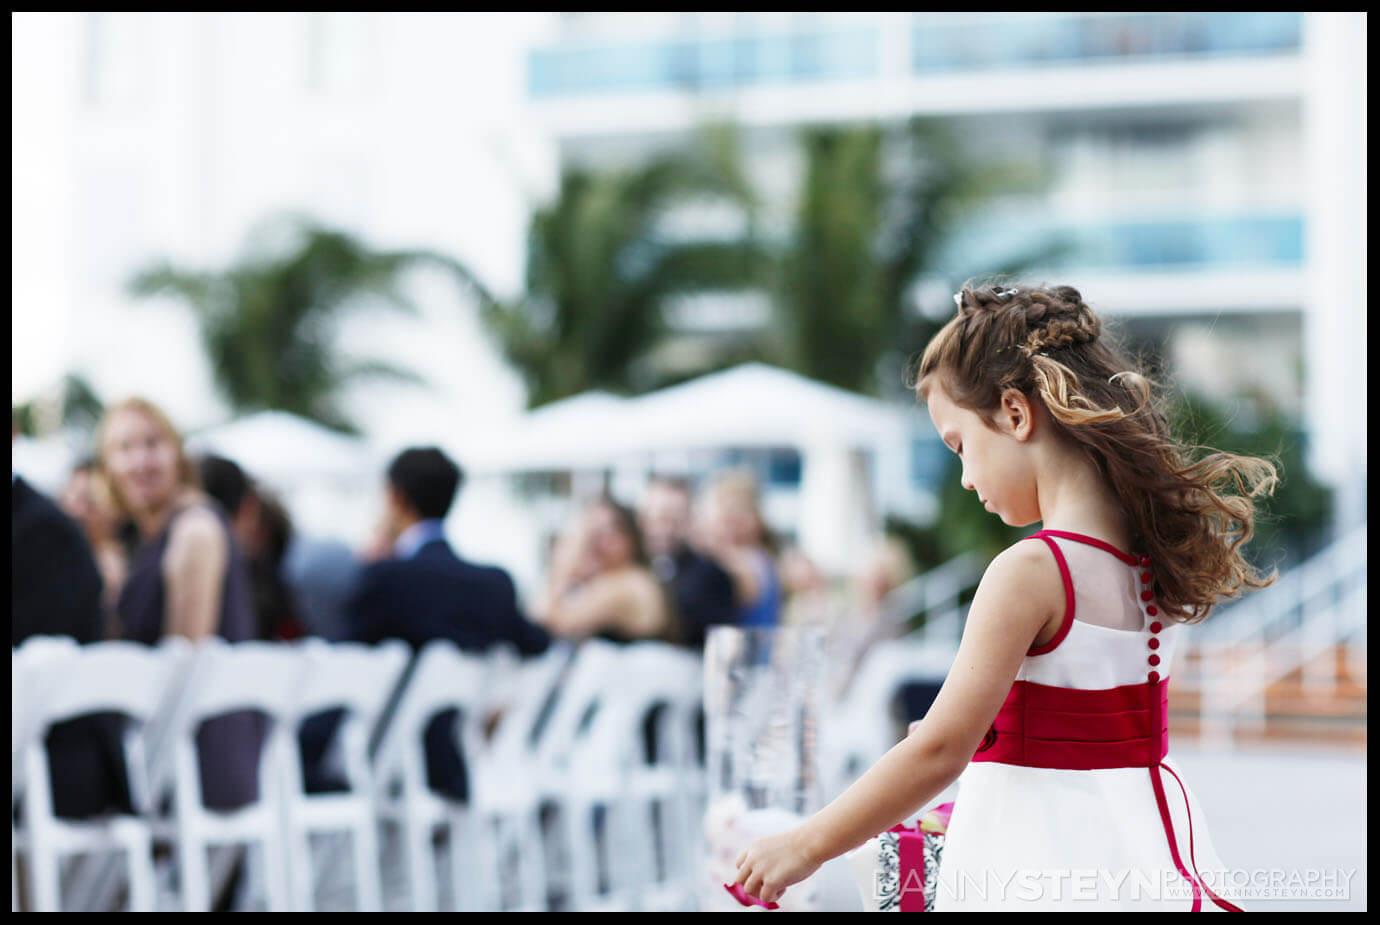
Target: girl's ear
x=1017, y=414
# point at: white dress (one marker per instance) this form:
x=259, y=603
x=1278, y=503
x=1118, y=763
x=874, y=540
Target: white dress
x=1051, y=838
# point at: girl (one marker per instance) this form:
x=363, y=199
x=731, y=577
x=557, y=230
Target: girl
x=1054, y=710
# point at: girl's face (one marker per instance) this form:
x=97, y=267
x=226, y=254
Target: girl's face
x=142, y=460
x=997, y=465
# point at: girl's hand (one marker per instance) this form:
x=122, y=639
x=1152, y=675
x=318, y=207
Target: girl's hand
x=771, y=864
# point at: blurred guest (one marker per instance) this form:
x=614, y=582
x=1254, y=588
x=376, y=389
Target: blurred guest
x=601, y=583
x=263, y=529
x=55, y=590
x=735, y=534
x=322, y=572
x=888, y=567
x=809, y=600
x=422, y=592
x=111, y=538
x=700, y=591
x=188, y=578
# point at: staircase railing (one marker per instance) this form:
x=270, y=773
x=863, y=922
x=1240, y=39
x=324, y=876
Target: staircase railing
x=1286, y=628
x=937, y=593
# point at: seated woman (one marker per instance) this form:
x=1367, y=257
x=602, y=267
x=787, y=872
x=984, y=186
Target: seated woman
x=732, y=529
x=600, y=582
x=187, y=578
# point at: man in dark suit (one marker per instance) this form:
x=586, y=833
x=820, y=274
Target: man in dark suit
x=55, y=590
x=701, y=591
x=422, y=591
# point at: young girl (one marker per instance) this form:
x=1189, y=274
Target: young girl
x=1054, y=710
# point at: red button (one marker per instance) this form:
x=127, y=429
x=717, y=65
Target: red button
x=1156, y=626
x=1154, y=659
x=1145, y=561
x=1145, y=577
x=1146, y=596
x=1154, y=676
x=1154, y=643
x=1151, y=610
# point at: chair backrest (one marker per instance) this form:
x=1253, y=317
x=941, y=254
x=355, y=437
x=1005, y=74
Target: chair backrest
x=241, y=676
x=522, y=692
x=29, y=678
x=591, y=676
x=352, y=675
x=649, y=675
x=443, y=678
x=859, y=729
x=103, y=677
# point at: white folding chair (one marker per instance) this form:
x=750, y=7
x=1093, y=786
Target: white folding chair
x=117, y=677
x=226, y=678
x=443, y=678
x=25, y=663
x=859, y=729
x=504, y=809
x=609, y=769
x=358, y=678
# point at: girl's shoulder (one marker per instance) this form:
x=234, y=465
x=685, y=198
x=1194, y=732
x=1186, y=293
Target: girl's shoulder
x=1028, y=570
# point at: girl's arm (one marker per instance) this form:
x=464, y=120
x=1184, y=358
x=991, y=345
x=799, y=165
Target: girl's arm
x=1020, y=592
x=194, y=574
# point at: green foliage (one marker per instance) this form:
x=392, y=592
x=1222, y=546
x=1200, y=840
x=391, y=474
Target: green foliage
x=74, y=406
x=602, y=265
x=268, y=321
x=876, y=212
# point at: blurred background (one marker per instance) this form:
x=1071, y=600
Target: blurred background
x=576, y=250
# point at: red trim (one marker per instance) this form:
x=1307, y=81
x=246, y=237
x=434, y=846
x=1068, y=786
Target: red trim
x=1091, y=541
x=1221, y=903
x=1068, y=598
x=910, y=858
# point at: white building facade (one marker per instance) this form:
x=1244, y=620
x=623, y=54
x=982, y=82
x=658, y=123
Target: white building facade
x=1209, y=166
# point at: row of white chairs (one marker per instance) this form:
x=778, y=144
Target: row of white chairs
x=557, y=781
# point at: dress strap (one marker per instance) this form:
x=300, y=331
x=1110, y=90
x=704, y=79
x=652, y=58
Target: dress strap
x=1068, y=597
x=1091, y=541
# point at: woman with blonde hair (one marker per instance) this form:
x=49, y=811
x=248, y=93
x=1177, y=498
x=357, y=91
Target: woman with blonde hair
x=733, y=530
x=188, y=577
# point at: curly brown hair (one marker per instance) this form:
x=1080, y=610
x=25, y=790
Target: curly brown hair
x=1190, y=515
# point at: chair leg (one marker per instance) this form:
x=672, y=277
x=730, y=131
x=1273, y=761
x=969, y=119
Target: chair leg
x=421, y=863
x=192, y=865
x=299, y=869
x=533, y=856
x=44, y=889
x=364, y=840
x=143, y=894
x=276, y=874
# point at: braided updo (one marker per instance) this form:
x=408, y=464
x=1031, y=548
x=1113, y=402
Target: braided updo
x=1191, y=516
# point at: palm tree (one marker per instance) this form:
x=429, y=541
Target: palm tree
x=876, y=212
x=72, y=406
x=267, y=321
x=603, y=264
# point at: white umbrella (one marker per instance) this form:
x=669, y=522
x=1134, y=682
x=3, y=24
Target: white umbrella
x=281, y=447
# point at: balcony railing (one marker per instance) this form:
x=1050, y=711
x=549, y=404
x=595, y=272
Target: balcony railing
x=689, y=62
x=1239, y=242
x=1014, y=41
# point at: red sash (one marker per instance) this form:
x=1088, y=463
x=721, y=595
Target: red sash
x=1040, y=726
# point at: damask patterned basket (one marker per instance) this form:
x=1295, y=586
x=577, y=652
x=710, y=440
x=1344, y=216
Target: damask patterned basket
x=897, y=871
